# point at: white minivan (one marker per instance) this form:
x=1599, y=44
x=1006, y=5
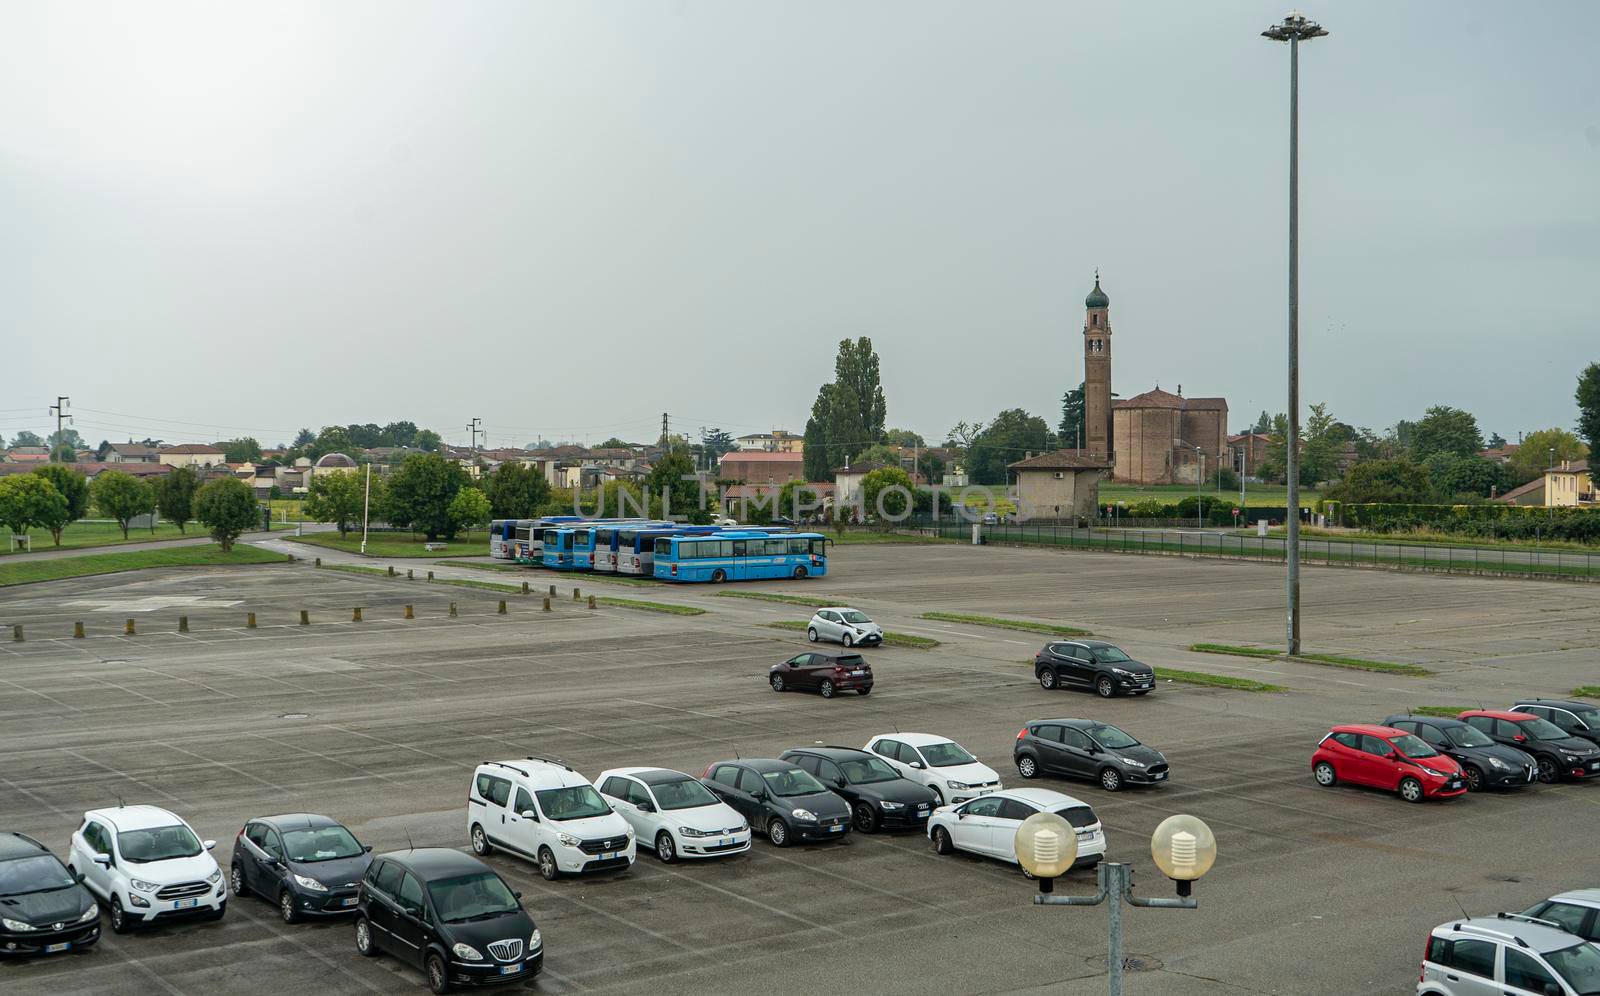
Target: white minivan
x=674, y=813
x=146, y=865
x=542, y=810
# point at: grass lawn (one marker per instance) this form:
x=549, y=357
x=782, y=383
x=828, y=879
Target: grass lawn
x=889, y=639
x=479, y=565
x=1255, y=495
x=397, y=544
x=1362, y=664
x=1025, y=625
x=1445, y=711
x=1429, y=537
x=90, y=532
x=1587, y=691
x=209, y=555
x=815, y=601
x=857, y=537
x=643, y=606
x=1216, y=680
x=1226, y=648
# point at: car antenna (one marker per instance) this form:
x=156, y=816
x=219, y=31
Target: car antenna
x=120, y=803
x=1463, y=909
x=896, y=727
x=409, y=844
x=737, y=755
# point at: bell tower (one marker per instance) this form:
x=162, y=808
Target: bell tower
x=1097, y=372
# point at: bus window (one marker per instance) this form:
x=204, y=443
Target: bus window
x=818, y=547
x=799, y=546
x=664, y=547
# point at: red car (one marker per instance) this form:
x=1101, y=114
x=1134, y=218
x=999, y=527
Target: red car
x=1387, y=758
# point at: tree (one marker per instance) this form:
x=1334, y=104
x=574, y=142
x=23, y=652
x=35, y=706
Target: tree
x=1071, y=428
x=887, y=493
x=1392, y=481
x=962, y=434
x=1457, y=476
x=175, y=495
x=714, y=442
x=1010, y=437
x=848, y=414
x=1263, y=423
x=366, y=435
x=332, y=439
x=1446, y=430
x=930, y=466
x=1588, y=398
x=1495, y=441
x=469, y=509
x=667, y=478
x=515, y=491
x=245, y=450
x=73, y=488
x=903, y=437
x=63, y=453
x=1535, y=453
x=66, y=437
x=103, y=450
x=616, y=443
x=1319, y=459
x=303, y=439
x=420, y=493
x=819, y=456
x=799, y=500
x=122, y=497
x=877, y=453
x=27, y=438
x=227, y=507
x=28, y=500
x=427, y=441
x=337, y=496
x=402, y=433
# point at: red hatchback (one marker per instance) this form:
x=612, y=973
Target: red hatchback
x=1387, y=758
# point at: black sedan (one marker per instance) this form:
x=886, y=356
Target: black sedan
x=44, y=909
x=779, y=799
x=306, y=865
x=1484, y=763
x=1092, y=664
x=880, y=797
x=1083, y=748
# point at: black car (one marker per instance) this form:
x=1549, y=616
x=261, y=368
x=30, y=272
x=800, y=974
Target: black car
x=879, y=796
x=44, y=909
x=308, y=865
x=1083, y=748
x=779, y=799
x=1578, y=719
x=1092, y=664
x=1484, y=763
x=1558, y=755
x=448, y=914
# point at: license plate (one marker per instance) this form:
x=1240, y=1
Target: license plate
x=185, y=904
x=725, y=842
x=510, y=969
x=610, y=856
x=351, y=901
x=53, y=948
x=836, y=829
x=922, y=810
x=1159, y=776
x=1594, y=765
x=858, y=673
x=1455, y=783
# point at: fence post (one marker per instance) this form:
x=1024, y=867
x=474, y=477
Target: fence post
x=77, y=631
x=127, y=629
x=552, y=591
x=355, y=614
x=305, y=617
x=319, y=562
x=183, y=624
x=410, y=574
x=591, y=601
x=524, y=587
x=391, y=570
x=16, y=633
x=502, y=610
x=452, y=610
x=249, y=620
x=575, y=596
x=409, y=613
x=430, y=575
x=547, y=603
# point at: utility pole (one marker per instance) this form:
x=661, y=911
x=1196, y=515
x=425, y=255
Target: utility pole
x=472, y=427
x=60, y=409
x=666, y=436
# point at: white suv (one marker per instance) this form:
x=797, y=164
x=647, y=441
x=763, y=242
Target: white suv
x=937, y=762
x=145, y=865
x=845, y=625
x=1507, y=955
x=674, y=813
x=544, y=811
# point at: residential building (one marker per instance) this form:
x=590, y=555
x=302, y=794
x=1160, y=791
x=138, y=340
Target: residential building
x=1569, y=485
x=1247, y=451
x=1500, y=454
x=131, y=452
x=1531, y=493
x=195, y=455
x=1064, y=484
x=847, y=484
x=776, y=441
x=761, y=467
x=94, y=468
x=28, y=454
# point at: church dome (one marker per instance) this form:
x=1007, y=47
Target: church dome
x=1097, y=297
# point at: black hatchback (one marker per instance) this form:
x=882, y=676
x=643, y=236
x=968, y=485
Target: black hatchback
x=779, y=799
x=1083, y=748
x=1484, y=763
x=305, y=864
x=1577, y=719
x=44, y=908
x=449, y=914
x=1092, y=664
x=880, y=797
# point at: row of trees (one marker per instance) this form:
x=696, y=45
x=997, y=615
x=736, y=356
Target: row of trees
x=53, y=497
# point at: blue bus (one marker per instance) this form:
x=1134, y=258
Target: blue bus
x=519, y=539
x=740, y=555
x=608, y=541
x=636, y=546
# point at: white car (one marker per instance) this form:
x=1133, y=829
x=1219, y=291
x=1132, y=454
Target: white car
x=842, y=624
x=145, y=864
x=1576, y=912
x=988, y=826
x=674, y=813
x=937, y=762
x=542, y=810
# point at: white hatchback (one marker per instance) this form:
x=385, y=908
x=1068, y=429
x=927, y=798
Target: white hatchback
x=988, y=826
x=937, y=762
x=845, y=625
x=146, y=864
x=674, y=813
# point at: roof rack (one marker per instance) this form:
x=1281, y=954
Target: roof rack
x=1476, y=928
x=513, y=767
x=550, y=760
x=1525, y=918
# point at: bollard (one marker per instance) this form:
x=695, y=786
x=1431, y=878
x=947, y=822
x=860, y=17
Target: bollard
x=391, y=570
x=547, y=603
x=319, y=561
x=305, y=618
x=249, y=620
x=502, y=610
x=591, y=601
x=410, y=574
x=452, y=610
x=355, y=614
x=430, y=575
x=524, y=587
x=552, y=591
x=408, y=613
x=127, y=629
x=77, y=631
x=575, y=595
x=183, y=624
x=16, y=633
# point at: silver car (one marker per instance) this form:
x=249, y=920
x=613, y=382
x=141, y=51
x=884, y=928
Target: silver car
x=1507, y=955
x=845, y=625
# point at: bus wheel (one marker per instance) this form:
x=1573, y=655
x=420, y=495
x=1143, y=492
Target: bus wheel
x=799, y=572
x=718, y=576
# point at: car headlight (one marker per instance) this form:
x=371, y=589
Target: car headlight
x=465, y=952
x=958, y=785
x=215, y=877
x=890, y=807
x=16, y=925
x=1570, y=758
x=536, y=941
x=89, y=914
x=310, y=883
x=567, y=840
x=630, y=833
x=1131, y=762
x=142, y=886
x=1497, y=763
x=1125, y=674
x=692, y=832
x=804, y=814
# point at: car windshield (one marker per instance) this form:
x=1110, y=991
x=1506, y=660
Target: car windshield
x=1468, y=736
x=865, y=770
x=477, y=896
x=321, y=844
x=37, y=873
x=1110, y=655
x=789, y=783
x=1412, y=745
x=947, y=754
x=1579, y=965
x=1110, y=737
x=855, y=616
x=576, y=802
x=682, y=793
x=1590, y=717
x=1542, y=729
x=158, y=844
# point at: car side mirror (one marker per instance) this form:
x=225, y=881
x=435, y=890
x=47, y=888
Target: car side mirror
x=209, y=845
x=1520, y=738
x=103, y=860
x=77, y=877
x=1393, y=755
x=840, y=782
x=961, y=814
x=645, y=807
x=516, y=895
x=760, y=795
x=366, y=849
x=1551, y=989
x=528, y=814
x=919, y=765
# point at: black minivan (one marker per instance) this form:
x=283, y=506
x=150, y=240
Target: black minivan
x=448, y=914
x=44, y=908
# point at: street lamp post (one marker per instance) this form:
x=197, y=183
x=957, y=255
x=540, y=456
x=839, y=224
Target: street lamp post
x=1182, y=847
x=1296, y=28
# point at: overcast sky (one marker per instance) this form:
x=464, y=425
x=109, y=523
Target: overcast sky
x=567, y=218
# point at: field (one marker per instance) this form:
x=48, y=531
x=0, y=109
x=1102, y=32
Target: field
x=95, y=532
x=400, y=544
x=1315, y=891
x=200, y=555
x=1255, y=494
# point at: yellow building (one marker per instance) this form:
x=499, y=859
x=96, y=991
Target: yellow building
x=1569, y=484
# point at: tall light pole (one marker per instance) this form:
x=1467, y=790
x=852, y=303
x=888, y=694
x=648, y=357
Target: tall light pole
x=1295, y=29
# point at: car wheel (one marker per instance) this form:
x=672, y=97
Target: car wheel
x=826, y=688
x=119, y=919
x=778, y=832
x=666, y=850
x=547, y=865
x=438, y=981
x=1047, y=679
x=776, y=681
x=863, y=691
x=866, y=818
x=1548, y=772
x=718, y=576
x=236, y=881
x=811, y=633
x=286, y=906
x=941, y=842
x=1474, y=778
x=848, y=640
x=1110, y=779
x=480, y=842
x=799, y=572
x=1411, y=790
x=1027, y=767
x=1104, y=688
x=364, y=945
x=1324, y=774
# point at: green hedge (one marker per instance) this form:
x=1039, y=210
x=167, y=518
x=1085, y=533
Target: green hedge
x=1491, y=520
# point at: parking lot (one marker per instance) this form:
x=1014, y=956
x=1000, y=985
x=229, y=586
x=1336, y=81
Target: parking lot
x=379, y=724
